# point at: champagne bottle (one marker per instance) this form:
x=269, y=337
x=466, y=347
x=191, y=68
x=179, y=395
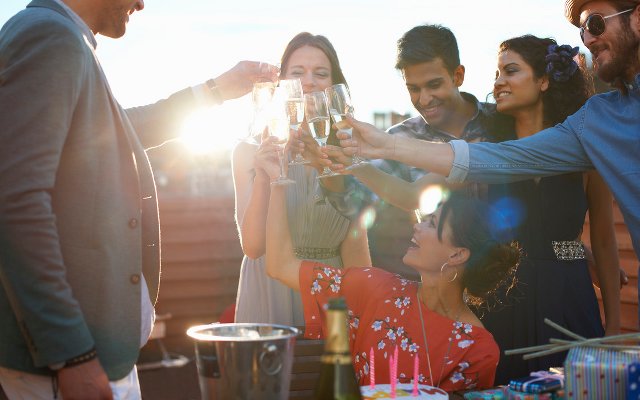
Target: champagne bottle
x=337, y=378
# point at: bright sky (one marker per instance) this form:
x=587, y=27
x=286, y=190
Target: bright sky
x=173, y=44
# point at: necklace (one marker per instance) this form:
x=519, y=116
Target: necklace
x=426, y=344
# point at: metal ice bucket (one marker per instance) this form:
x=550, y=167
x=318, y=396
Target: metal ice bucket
x=244, y=361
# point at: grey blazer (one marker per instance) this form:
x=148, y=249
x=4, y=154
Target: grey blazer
x=78, y=208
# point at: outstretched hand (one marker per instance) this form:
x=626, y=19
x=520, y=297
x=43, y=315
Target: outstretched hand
x=239, y=80
x=337, y=158
x=310, y=149
x=266, y=158
x=366, y=141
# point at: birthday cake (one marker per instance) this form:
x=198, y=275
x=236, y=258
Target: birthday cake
x=403, y=391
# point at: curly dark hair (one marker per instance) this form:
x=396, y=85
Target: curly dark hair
x=562, y=98
x=480, y=228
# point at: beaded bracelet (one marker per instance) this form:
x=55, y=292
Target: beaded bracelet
x=77, y=360
x=82, y=358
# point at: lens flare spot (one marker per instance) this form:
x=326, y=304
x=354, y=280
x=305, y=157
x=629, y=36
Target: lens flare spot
x=511, y=215
x=368, y=217
x=431, y=198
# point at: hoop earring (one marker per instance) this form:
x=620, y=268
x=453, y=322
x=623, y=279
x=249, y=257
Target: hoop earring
x=442, y=272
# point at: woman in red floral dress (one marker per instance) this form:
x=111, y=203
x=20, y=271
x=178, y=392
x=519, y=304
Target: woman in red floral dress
x=461, y=253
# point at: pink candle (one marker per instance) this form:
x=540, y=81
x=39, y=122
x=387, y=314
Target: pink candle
x=392, y=381
x=395, y=365
x=372, y=369
x=416, y=372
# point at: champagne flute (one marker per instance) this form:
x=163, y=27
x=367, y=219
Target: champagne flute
x=261, y=96
x=279, y=127
x=317, y=111
x=295, y=110
x=340, y=106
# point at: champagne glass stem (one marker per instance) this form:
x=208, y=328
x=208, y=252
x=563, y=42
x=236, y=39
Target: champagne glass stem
x=282, y=161
x=299, y=158
x=282, y=179
x=326, y=171
x=356, y=161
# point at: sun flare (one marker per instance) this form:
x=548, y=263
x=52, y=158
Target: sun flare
x=431, y=198
x=215, y=130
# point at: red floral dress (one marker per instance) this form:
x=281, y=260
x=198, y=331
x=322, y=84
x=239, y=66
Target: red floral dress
x=383, y=315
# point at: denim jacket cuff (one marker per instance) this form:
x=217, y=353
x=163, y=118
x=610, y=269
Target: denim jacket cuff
x=460, y=167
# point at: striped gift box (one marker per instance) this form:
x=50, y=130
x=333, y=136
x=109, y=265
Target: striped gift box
x=593, y=373
x=633, y=381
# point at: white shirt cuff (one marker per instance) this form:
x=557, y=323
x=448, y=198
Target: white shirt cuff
x=203, y=95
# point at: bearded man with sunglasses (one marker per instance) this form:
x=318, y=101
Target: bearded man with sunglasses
x=604, y=134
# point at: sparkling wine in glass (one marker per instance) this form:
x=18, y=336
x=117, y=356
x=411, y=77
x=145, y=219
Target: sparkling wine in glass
x=317, y=112
x=340, y=106
x=279, y=127
x=261, y=97
x=295, y=110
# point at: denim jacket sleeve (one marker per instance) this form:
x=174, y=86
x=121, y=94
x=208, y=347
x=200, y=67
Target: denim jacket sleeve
x=553, y=151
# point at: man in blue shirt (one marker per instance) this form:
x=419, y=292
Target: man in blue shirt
x=604, y=134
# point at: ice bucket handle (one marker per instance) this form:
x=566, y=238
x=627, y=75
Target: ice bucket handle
x=270, y=359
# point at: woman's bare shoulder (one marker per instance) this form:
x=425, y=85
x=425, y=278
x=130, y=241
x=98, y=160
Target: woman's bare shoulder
x=243, y=154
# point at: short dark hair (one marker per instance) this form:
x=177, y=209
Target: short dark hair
x=483, y=230
x=425, y=43
x=320, y=42
x=562, y=98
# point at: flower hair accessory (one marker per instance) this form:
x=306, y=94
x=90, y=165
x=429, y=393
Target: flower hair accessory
x=560, y=63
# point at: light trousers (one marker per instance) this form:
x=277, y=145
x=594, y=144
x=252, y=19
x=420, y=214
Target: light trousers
x=19, y=385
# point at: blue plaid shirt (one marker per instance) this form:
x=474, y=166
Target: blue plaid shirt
x=485, y=125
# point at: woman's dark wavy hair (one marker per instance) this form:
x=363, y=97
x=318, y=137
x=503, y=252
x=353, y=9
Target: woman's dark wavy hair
x=561, y=99
x=323, y=44
x=494, y=256
x=320, y=42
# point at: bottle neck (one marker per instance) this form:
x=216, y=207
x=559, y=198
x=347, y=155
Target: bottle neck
x=336, y=345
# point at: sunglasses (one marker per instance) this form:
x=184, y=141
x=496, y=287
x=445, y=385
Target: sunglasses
x=595, y=23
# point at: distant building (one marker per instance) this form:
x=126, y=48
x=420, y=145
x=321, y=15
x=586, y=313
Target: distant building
x=385, y=120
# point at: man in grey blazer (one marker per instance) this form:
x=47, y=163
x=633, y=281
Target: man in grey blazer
x=79, y=231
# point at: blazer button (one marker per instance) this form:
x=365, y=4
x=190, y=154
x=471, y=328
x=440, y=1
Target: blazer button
x=135, y=279
x=133, y=223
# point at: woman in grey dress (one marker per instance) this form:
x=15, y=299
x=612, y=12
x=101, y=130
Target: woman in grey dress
x=319, y=232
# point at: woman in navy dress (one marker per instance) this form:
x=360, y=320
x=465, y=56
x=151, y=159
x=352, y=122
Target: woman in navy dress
x=540, y=84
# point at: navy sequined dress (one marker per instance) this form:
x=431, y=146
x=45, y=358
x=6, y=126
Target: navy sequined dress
x=547, y=214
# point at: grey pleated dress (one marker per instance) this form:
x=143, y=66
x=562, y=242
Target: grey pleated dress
x=317, y=230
